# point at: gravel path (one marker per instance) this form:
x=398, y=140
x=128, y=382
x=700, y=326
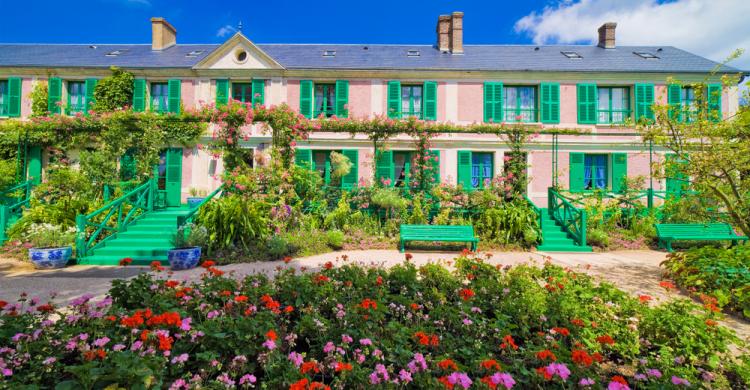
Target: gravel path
x=637, y=272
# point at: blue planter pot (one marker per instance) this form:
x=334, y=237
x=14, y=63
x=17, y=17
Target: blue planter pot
x=193, y=201
x=184, y=258
x=50, y=258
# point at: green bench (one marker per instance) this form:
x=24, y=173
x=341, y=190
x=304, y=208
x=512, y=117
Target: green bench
x=668, y=232
x=462, y=233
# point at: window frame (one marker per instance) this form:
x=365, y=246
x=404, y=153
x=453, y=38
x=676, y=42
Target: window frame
x=408, y=158
x=5, y=101
x=326, y=174
x=244, y=86
x=163, y=106
x=71, y=108
x=411, y=112
x=607, y=172
x=627, y=112
x=517, y=110
x=327, y=111
x=481, y=179
x=688, y=114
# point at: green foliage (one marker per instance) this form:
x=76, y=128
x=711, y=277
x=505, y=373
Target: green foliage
x=99, y=167
x=340, y=166
x=507, y=223
x=45, y=235
x=277, y=247
x=389, y=199
x=114, y=92
x=234, y=221
x=39, y=98
x=335, y=239
x=7, y=173
x=189, y=236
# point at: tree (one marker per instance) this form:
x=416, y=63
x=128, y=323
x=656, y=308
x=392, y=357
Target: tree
x=713, y=152
x=114, y=92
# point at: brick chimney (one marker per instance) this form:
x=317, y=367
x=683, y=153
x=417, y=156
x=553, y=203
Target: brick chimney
x=443, y=32
x=163, y=34
x=607, y=35
x=457, y=33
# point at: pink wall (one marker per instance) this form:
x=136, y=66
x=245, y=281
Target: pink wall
x=292, y=94
x=187, y=167
x=366, y=166
x=359, y=98
x=188, y=94
x=471, y=102
x=541, y=171
x=568, y=106
x=26, y=89
x=441, y=102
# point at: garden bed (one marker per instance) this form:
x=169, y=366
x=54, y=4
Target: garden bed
x=480, y=326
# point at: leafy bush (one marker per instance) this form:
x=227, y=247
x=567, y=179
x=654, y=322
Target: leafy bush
x=510, y=222
x=114, y=92
x=234, y=221
x=340, y=166
x=39, y=100
x=189, y=236
x=7, y=173
x=335, y=239
x=45, y=235
x=353, y=327
x=277, y=247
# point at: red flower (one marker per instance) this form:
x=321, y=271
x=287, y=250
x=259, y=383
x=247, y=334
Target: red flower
x=562, y=331
x=287, y=259
x=165, y=342
x=341, y=366
x=422, y=338
x=126, y=261
x=379, y=281
x=444, y=380
x=156, y=266
x=448, y=364
x=466, y=294
x=171, y=283
x=309, y=367
x=582, y=358
x=490, y=364
x=667, y=285
x=578, y=322
x=328, y=265
x=289, y=309
x=543, y=372
x=546, y=355
x=46, y=308
x=508, y=342
x=619, y=379
x=320, y=279
x=240, y=298
x=208, y=264
x=606, y=339
x=487, y=380
x=271, y=335
x=408, y=256
x=644, y=298
x=368, y=303
x=3, y=304
x=168, y=319
x=710, y=322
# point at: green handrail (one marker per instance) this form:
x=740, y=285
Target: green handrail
x=12, y=202
x=572, y=219
x=537, y=211
x=189, y=217
x=95, y=228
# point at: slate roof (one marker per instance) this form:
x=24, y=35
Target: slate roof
x=374, y=57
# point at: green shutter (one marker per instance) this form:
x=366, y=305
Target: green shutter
x=464, y=169
x=586, y=103
x=139, y=95
x=34, y=165
x=677, y=180
x=619, y=170
x=303, y=158
x=644, y=100
x=306, y=98
x=394, y=99
x=674, y=100
x=576, y=174
x=351, y=179
x=384, y=167
x=550, y=101
x=128, y=165
x=54, y=95
x=342, y=98
x=713, y=98
x=173, y=179
x=14, y=97
x=259, y=91
x=174, y=91
x=90, y=99
x=430, y=101
x=493, y=102
x=435, y=160
x=222, y=92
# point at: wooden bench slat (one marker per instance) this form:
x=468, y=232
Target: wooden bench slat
x=695, y=232
x=452, y=233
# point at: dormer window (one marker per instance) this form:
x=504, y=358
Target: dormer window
x=646, y=55
x=572, y=55
x=329, y=53
x=412, y=53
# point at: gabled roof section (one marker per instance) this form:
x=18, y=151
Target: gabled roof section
x=229, y=56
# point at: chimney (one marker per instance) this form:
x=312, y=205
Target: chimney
x=443, y=32
x=163, y=34
x=457, y=33
x=607, y=35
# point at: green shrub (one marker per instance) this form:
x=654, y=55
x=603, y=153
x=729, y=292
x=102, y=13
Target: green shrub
x=39, y=100
x=597, y=237
x=277, y=247
x=335, y=239
x=7, y=173
x=234, y=221
x=190, y=235
x=114, y=92
x=512, y=222
x=45, y=235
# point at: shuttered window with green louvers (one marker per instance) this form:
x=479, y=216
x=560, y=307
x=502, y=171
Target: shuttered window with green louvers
x=550, y=102
x=586, y=97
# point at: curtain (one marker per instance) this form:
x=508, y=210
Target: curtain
x=601, y=172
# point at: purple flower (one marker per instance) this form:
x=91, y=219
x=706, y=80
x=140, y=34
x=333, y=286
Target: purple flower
x=653, y=372
x=6, y=371
x=560, y=369
x=185, y=324
x=101, y=342
x=270, y=344
x=49, y=361
x=329, y=347
x=504, y=379
x=405, y=376
x=617, y=386
x=118, y=347
x=225, y=379
x=180, y=359
x=212, y=314
x=461, y=379
x=296, y=358
x=365, y=341
x=586, y=382
x=677, y=381
x=248, y=378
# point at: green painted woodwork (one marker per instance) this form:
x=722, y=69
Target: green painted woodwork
x=713, y=92
x=586, y=95
x=306, y=98
x=34, y=165
x=54, y=95
x=515, y=107
x=175, y=86
x=644, y=101
x=324, y=100
x=14, y=97
x=667, y=233
x=128, y=165
x=612, y=110
x=569, y=218
x=90, y=99
x=394, y=99
x=139, y=95
x=554, y=238
x=173, y=182
x=384, y=169
x=443, y=233
x=619, y=164
x=429, y=101
x=493, y=102
x=674, y=100
x=76, y=97
x=222, y=92
x=351, y=179
x=259, y=91
x=303, y=158
x=550, y=102
x=576, y=171
x=464, y=169
x=342, y=98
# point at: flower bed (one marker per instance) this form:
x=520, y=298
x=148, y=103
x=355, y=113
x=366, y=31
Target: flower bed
x=480, y=326
x=719, y=277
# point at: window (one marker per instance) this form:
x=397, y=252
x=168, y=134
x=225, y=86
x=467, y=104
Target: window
x=159, y=97
x=481, y=169
x=613, y=104
x=321, y=161
x=4, y=98
x=76, y=97
x=646, y=55
x=519, y=104
x=411, y=101
x=325, y=100
x=595, y=172
x=688, y=105
x=572, y=55
x=402, y=162
x=242, y=92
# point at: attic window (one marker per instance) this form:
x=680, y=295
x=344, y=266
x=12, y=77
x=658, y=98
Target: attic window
x=194, y=53
x=329, y=53
x=412, y=53
x=572, y=55
x=116, y=53
x=646, y=55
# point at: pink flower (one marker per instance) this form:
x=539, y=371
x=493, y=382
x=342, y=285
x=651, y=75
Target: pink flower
x=405, y=376
x=677, y=381
x=365, y=341
x=248, y=378
x=270, y=344
x=503, y=378
x=329, y=347
x=617, y=386
x=461, y=379
x=558, y=369
x=296, y=358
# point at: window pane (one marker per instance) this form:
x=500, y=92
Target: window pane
x=405, y=99
x=617, y=96
x=510, y=95
x=319, y=101
x=319, y=159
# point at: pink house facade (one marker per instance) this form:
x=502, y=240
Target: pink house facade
x=601, y=89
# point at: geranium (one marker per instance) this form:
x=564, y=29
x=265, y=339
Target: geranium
x=490, y=364
x=504, y=379
x=546, y=355
x=342, y=366
x=125, y=261
x=582, y=358
x=558, y=369
x=156, y=266
x=466, y=294
x=667, y=285
x=448, y=364
x=618, y=383
x=606, y=339
x=310, y=366
x=508, y=342
x=677, y=381
x=368, y=304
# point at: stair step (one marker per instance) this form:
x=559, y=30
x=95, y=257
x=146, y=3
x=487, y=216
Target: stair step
x=124, y=242
x=563, y=248
x=115, y=260
x=130, y=252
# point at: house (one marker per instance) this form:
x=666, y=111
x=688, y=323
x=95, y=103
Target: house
x=600, y=89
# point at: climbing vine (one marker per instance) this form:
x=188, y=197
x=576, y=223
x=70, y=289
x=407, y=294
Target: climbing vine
x=114, y=92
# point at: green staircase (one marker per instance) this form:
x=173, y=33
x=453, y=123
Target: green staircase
x=146, y=239
x=555, y=238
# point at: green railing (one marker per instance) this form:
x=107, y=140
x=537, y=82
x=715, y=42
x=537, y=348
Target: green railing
x=12, y=202
x=98, y=226
x=189, y=217
x=537, y=211
x=571, y=218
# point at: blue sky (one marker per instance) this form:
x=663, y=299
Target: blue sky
x=712, y=28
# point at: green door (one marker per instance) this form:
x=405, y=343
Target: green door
x=170, y=176
x=34, y=164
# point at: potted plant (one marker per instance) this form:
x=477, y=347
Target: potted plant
x=187, y=243
x=196, y=197
x=52, y=246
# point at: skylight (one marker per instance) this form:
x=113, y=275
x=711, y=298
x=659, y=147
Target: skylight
x=412, y=53
x=646, y=55
x=329, y=53
x=572, y=55
x=116, y=53
x=194, y=53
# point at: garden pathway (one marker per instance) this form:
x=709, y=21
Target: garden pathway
x=637, y=272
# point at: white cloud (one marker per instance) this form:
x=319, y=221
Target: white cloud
x=225, y=30
x=711, y=28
